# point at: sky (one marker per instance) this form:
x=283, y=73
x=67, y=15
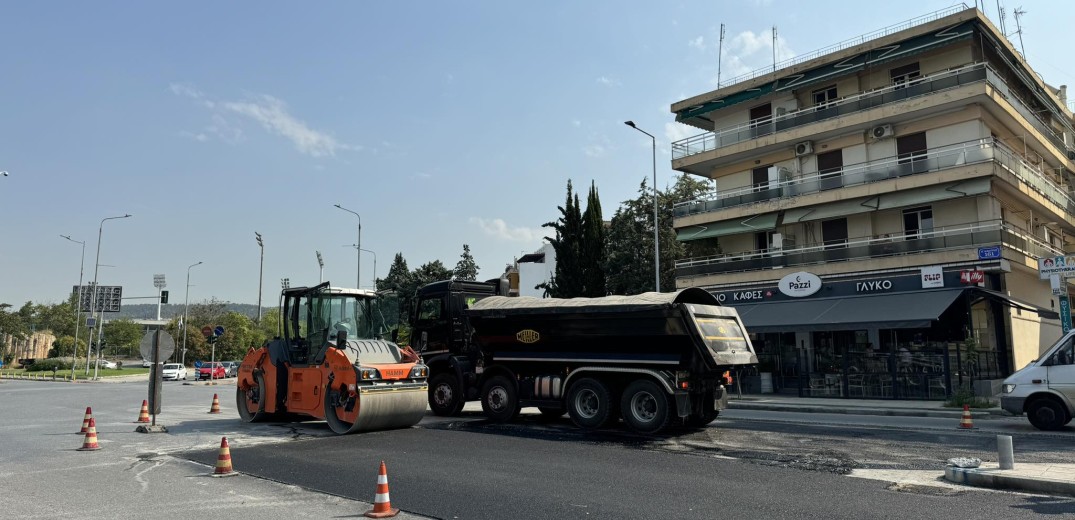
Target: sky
x=439, y=123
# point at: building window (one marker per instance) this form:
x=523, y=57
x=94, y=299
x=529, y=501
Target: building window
x=829, y=167
x=759, y=177
x=917, y=222
x=761, y=120
x=763, y=241
x=902, y=75
x=834, y=232
x=824, y=97
x=911, y=147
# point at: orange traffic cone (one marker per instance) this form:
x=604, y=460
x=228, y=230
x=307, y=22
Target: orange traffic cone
x=966, y=423
x=223, y=460
x=90, y=443
x=86, y=420
x=216, y=405
x=143, y=415
x=382, y=505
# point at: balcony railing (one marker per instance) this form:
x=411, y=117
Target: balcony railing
x=847, y=43
x=970, y=152
x=945, y=238
x=925, y=85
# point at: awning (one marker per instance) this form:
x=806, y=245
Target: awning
x=751, y=224
x=1004, y=299
x=910, y=310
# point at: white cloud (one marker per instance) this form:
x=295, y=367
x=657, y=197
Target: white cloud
x=677, y=131
x=608, y=82
x=576, y=123
x=271, y=113
x=594, y=150
x=697, y=43
x=749, y=51
x=497, y=228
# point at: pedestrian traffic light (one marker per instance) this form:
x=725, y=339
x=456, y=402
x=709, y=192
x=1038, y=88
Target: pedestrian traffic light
x=164, y=296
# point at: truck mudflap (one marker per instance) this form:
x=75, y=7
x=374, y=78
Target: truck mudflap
x=683, y=401
x=720, y=398
x=683, y=404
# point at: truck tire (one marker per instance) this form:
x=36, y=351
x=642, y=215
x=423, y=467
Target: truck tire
x=445, y=395
x=499, y=399
x=251, y=403
x=589, y=403
x=645, y=407
x=1047, y=414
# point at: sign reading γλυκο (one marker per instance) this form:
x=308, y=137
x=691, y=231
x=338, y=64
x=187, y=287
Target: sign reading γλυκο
x=800, y=284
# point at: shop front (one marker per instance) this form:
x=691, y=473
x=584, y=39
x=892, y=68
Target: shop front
x=917, y=335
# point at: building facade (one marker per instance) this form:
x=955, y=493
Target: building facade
x=880, y=209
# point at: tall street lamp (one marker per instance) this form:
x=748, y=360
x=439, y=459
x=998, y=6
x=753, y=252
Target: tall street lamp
x=656, y=246
x=78, y=306
x=358, y=254
x=321, y=264
x=261, y=271
x=374, y=266
x=186, y=303
x=93, y=305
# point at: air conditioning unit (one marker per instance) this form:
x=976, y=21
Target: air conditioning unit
x=804, y=148
x=881, y=132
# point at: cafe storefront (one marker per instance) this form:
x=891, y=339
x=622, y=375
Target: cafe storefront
x=917, y=334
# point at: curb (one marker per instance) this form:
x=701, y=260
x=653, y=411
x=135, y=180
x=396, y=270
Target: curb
x=997, y=479
x=892, y=412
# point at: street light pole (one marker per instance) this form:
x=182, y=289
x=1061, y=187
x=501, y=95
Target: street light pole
x=358, y=253
x=78, y=308
x=261, y=272
x=374, y=266
x=321, y=264
x=93, y=305
x=656, y=237
x=186, y=304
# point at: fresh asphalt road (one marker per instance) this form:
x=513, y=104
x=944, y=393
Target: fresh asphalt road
x=465, y=468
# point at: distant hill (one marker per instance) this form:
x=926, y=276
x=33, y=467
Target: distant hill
x=148, y=311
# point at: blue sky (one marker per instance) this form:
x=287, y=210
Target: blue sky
x=440, y=123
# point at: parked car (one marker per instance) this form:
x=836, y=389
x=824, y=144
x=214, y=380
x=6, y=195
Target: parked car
x=174, y=372
x=146, y=363
x=232, y=368
x=104, y=363
x=211, y=371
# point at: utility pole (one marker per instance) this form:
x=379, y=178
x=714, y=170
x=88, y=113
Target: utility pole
x=78, y=308
x=261, y=272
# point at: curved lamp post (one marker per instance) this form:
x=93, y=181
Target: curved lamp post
x=358, y=253
x=186, y=303
x=656, y=246
x=93, y=305
x=78, y=305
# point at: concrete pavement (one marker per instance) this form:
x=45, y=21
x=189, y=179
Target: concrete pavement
x=1058, y=479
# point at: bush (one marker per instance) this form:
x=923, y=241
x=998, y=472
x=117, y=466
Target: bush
x=49, y=365
x=964, y=395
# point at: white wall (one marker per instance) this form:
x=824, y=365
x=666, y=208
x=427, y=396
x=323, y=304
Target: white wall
x=534, y=273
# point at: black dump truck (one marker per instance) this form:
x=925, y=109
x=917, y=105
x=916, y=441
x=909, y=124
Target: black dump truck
x=654, y=359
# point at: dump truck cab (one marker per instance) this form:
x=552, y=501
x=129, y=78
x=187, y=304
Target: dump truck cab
x=332, y=362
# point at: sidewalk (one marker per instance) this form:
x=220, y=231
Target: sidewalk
x=1052, y=479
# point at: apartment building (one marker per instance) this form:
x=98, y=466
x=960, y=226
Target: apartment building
x=880, y=207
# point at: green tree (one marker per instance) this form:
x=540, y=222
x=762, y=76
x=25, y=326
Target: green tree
x=122, y=334
x=567, y=281
x=629, y=246
x=592, y=247
x=466, y=268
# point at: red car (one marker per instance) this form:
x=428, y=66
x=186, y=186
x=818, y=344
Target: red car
x=211, y=370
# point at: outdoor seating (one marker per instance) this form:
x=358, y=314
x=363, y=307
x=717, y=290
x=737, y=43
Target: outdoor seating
x=856, y=382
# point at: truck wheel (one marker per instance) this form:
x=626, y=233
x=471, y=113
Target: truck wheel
x=589, y=403
x=445, y=395
x=499, y=400
x=1047, y=414
x=645, y=407
x=251, y=402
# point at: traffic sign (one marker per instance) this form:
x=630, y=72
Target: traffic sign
x=167, y=346
x=218, y=331
x=207, y=331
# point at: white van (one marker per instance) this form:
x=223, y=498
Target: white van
x=1045, y=389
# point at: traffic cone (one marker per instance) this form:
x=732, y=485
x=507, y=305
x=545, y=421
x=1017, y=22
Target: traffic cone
x=216, y=405
x=86, y=420
x=382, y=505
x=90, y=442
x=966, y=423
x=143, y=415
x=223, y=460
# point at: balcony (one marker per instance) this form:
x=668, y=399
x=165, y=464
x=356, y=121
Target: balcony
x=892, y=167
x=946, y=238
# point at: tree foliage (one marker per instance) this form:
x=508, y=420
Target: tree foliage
x=592, y=247
x=466, y=268
x=567, y=280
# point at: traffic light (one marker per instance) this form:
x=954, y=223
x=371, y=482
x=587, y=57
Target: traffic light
x=164, y=296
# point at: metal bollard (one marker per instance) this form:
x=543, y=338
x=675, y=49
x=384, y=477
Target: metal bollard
x=1006, y=455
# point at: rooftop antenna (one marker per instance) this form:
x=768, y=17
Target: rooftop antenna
x=1001, y=11
x=1019, y=12
x=720, y=53
x=774, y=48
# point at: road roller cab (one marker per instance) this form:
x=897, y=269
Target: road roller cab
x=331, y=362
